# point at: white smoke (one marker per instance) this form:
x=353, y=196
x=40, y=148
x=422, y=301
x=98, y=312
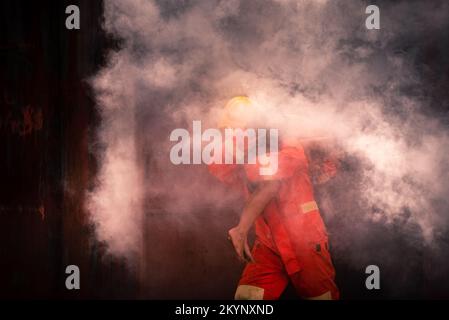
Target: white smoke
x=311, y=66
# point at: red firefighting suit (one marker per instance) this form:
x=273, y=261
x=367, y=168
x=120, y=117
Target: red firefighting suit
x=291, y=239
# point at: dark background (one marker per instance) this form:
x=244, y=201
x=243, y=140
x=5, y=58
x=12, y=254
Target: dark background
x=47, y=118
x=47, y=124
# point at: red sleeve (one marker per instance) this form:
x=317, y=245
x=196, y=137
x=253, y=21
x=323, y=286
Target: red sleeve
x=291, y=160
x=329, y=167
x=324, y=171
x=226, y=173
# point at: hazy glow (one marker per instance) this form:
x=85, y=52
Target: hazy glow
x=312, y=69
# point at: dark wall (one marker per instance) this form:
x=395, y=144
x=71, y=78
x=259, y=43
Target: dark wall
x=47, y=120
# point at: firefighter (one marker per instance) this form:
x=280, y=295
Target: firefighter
x=291, y=242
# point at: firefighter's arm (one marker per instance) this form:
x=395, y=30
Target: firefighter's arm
x=255, y=205
x=229, y=174
x=324, y=156
x=324, y=171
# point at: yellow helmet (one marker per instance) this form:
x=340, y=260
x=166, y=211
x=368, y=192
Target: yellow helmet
x=237, y=113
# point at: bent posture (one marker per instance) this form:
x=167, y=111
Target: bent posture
x=291, y=240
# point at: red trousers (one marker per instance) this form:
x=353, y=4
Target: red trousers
x=315, y=278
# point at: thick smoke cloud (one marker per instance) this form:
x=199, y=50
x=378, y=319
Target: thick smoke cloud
x=313, y=69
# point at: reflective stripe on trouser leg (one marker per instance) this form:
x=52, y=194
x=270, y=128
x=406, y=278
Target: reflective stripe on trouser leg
x=246, y=292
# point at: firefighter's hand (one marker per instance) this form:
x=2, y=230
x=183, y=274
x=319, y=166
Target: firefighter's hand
x=239, y=240
x=325, y=172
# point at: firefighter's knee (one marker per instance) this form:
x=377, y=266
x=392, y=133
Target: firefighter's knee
x=246, y=292
x=325, y=296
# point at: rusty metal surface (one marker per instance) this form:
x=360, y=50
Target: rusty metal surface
x=47, y=120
